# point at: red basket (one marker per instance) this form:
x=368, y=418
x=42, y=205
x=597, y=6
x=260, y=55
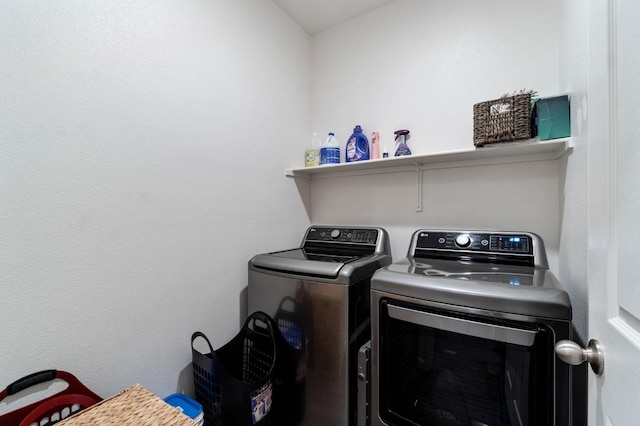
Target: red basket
x=52, y=409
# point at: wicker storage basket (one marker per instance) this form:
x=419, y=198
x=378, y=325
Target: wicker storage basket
x=133, y=406
x=502, y=120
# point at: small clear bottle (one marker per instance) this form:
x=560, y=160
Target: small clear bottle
x=311, y=154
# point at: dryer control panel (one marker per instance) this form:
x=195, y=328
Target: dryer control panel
x=499, y=247
x=475, y=241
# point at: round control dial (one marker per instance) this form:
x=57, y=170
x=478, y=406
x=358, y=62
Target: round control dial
x=463, y=240
x=335, y=233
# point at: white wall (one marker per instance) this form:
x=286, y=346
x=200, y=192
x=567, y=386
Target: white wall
x=142, y=150
x=422, y=66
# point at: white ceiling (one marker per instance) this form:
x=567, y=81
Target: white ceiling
x=315, y=16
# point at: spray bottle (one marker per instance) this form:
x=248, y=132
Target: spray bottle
x=401, y=140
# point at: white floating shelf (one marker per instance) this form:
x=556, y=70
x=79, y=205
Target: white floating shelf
x=508, y=152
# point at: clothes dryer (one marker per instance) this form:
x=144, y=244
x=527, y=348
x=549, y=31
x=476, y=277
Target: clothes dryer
x=464, y=330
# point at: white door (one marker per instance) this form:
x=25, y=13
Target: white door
x=614, y=209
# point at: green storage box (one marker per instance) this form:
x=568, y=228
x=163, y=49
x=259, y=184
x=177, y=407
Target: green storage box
x=553, y=118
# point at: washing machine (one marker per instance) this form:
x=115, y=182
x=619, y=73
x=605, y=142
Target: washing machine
x=319, y=295
x=463, y=333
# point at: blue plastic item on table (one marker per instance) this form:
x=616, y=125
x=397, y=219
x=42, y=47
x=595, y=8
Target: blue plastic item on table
x=189, y=406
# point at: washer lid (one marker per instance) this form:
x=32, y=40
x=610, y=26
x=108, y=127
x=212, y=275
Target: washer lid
x=337, y=253
x=299, y=262
x=336, y=270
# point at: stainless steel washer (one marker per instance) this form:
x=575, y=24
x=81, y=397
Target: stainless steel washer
x=319, y=295
x=463, y=333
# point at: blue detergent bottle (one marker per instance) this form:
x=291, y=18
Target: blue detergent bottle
x=357, y=146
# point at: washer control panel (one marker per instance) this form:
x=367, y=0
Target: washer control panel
x=342, y=235
x=474, y=241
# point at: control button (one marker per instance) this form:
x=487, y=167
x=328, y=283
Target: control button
x=463, y=240
x=484, y=243
x=335, y=233
x=441, y=240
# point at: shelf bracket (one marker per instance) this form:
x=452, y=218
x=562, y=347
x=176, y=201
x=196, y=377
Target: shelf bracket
x=418, y=187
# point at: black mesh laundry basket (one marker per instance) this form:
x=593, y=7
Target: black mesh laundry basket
x=234, y=384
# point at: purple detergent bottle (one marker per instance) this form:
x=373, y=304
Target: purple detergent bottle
x=357, y=146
